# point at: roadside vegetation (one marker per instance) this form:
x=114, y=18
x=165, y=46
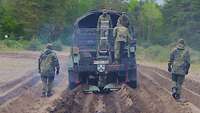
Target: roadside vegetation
x=29, y=25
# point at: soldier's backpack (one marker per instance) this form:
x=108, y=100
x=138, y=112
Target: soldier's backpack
x=46, y=63
x=179, y=65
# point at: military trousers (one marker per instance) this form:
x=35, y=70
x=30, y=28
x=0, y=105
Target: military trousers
x=118, y=49
x=177, y=82
x=47, y=82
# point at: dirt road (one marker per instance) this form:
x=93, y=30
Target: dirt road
x=22, y=94
x=152, y=96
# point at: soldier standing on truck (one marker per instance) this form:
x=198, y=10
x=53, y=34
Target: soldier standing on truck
x=123, y=20
x=48, y=67
x=179, y=64
x=122, y=39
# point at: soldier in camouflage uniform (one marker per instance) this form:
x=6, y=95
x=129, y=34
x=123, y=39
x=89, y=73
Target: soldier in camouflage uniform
x=48, y=67
x=122, y=40
x=123, y=20
x=179, y=64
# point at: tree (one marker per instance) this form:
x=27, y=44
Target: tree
x=150, y=21
x=8, y=24
x=183, y=20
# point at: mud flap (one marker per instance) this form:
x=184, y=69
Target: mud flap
x=110, y=88
x=92, y=89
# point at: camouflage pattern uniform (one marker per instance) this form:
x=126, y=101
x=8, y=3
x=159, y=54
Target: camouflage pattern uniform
x=123, y=20
x=48, y=67
x=179, y=65
x=122, y=39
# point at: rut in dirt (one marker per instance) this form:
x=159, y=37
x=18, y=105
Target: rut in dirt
x=149, y=97
x=12, y=91
x=190, y=90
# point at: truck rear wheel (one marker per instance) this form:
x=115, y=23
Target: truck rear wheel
x=132, y=84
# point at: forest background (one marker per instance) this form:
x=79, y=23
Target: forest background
x=30, y=24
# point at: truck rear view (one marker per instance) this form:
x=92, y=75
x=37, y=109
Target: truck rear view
x=92, y=59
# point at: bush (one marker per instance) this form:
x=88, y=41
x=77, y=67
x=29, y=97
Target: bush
x=161, y=53
x=195, y=56
x=153, y=53
x=34, y=45
x=11, y=44
x=57, y=45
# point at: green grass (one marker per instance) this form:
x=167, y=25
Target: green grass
x=33, y=45
x=153, y=53
x=157, y=56
x=161, y=54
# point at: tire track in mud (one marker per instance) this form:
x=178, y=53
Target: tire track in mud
x=11, y=84
x=112, y=104
x=27, y=92
x=20, y=89
x=150, y=97
x=158, y=99
x=188, y=83
x=165, y=82
x=89, y=100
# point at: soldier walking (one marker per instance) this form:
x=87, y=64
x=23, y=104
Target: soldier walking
x=48, y=67
x=179, y=64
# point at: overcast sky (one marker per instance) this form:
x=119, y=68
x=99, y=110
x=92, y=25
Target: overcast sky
x=160, y=1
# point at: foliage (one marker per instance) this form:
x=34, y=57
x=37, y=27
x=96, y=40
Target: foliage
x=52, y=20
x=11, y=44
x=57, y=45
x=150, y=21
x=132, y=5
x=183, y=20
x=153, y=53
x=34, y=45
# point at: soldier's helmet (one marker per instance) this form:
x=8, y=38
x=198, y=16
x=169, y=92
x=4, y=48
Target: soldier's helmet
x=181, y=43
x=49, y=46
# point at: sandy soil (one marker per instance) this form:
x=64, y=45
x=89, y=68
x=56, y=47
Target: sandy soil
x=26, y=87
x=194, y=72
x=152, y=95
x=15, y=68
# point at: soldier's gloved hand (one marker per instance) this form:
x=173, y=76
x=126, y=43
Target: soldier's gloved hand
x=187, y=68
x=57, y=72
x=187, y=72
x=169, y=67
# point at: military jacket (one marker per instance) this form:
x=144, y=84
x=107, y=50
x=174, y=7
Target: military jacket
x=121, y=33
x=180, y=59
x=48, y=62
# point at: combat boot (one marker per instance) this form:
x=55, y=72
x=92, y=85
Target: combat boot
x=174, y=89
x=174, y=93
x=177, y=96
x=43, y=94
x=49, y=94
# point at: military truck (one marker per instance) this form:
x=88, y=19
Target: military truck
x=94, y=65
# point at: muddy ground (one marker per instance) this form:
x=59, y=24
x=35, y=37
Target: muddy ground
x=22, y=94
